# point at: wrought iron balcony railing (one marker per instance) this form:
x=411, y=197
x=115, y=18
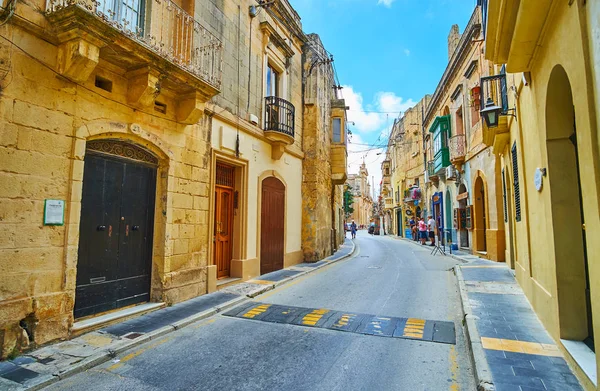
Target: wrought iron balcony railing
x=494, y=87
x=161, y=26
x=280, y=115
x=457, y=147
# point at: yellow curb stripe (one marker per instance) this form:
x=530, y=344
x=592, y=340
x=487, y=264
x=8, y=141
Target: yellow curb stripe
x=483, y=266
x=509, y=345
x=262, y=282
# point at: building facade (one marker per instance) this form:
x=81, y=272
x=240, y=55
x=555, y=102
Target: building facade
x=325, y=157
x=546, y=139
x=462, y=190
x=150, y=161
x=361, y=192
x=403, y=183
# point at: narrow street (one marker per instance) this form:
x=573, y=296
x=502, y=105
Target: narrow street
x=385, y=277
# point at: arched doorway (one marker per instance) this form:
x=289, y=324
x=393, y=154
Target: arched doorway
x=479, y=218
x=568, y=223
x=448, y=224
x=116, y=227
x=272, y=225
x=463, y=233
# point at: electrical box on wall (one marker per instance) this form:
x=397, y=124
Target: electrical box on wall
x=253, y=119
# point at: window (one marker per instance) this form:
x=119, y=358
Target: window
x=337, y=130
x=516, y=182
x=417, y=182
x=272, y=81
x=130, y=12
x=437, y=143
x=475, y=105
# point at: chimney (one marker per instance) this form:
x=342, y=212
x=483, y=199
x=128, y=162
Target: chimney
x=453, y=38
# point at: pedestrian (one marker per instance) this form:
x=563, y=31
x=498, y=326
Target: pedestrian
x=431, y=226
x=353, y=229
x=413, y=230
x=422, y=230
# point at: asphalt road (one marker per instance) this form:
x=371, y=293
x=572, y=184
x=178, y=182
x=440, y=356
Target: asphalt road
x=386, y=277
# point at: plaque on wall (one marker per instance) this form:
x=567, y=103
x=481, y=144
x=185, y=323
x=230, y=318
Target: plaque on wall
x=54, y=212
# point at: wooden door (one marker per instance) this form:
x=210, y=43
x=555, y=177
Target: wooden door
x=116, y=229
x=223, y=230
x=272, y=225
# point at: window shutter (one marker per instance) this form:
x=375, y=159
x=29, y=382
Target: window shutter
x=504, y=197
x=516, y=182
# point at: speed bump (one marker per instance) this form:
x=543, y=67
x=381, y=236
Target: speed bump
x=382, y=326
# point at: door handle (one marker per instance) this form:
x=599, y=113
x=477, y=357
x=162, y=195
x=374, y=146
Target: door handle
x=101, y=227
x=135, y=228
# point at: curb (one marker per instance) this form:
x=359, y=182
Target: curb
x=483, y=375
x=104, y=356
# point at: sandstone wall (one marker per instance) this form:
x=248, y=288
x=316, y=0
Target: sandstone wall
x=45, y=121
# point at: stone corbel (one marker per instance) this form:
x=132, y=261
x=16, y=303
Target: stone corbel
x=77, y=59
x=190, y=108
x=277, y=150
x=143, y=86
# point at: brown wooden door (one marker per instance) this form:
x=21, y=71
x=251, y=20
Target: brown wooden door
x=223, y=230
x=272, y=225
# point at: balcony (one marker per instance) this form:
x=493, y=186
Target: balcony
x=457, y=147
x=339, y=160
x=279, y=124
x=432, y=173
x=158, y=45
x=494, y=88
x=339, y=148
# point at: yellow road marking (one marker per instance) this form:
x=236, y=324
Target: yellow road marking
x=312, y=318
x=256, y=311
x=137, y=353
x=510, y=345
x=205, y=323
x=414, y=328
x=453, y=369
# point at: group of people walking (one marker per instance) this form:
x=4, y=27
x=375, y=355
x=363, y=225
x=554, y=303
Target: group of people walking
x=422, y=230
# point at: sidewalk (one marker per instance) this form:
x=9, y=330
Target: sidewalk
x=511, y=350
x=49, y=364
x=510, y=347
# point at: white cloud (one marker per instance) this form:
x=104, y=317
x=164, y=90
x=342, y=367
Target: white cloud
x=407, y=52
x=374, y=116
x=387, y=3
x=372, y=120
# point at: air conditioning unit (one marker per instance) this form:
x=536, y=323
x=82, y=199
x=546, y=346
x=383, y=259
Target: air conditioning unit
x=450, y=172
x=426, y=177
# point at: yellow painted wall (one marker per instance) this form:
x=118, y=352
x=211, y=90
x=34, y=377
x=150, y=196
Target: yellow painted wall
x=564, y=45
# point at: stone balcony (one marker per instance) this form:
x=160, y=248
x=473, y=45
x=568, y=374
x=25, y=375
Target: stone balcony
x=157, y=44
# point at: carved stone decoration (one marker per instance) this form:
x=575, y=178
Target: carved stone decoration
x=122, y=149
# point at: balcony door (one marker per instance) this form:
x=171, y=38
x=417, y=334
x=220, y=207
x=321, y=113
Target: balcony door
x=128, y=13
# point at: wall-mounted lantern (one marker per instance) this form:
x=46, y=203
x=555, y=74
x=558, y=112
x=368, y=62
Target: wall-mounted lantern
x=491, y=113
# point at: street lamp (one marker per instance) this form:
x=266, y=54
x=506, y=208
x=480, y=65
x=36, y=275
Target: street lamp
x=491, y=113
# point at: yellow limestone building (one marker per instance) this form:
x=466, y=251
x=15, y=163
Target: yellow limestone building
x=256, y=138
x=405, y=161
x=361, y=191
x=547, y=140
x=104, y=162
x=147, y=155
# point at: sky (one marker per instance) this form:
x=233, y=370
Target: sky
x=388, y=54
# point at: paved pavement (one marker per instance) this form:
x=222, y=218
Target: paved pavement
x=286, y=338
x=513, y=351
